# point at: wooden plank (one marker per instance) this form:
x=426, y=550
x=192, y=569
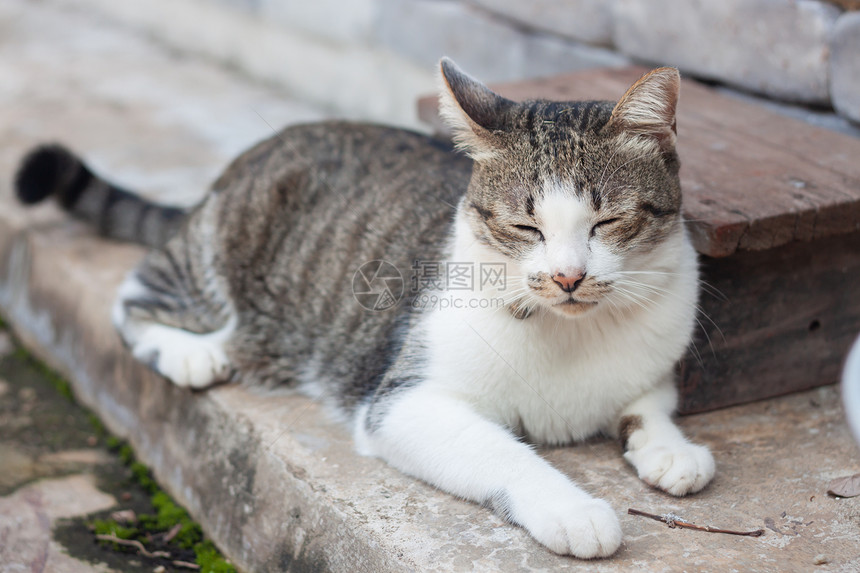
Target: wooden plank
x=788, y=319
x=752, y=179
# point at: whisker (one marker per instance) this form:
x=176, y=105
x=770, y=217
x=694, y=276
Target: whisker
x=614, y=308
x=713, y=291
x=695, y=350
x=631, y=297
x=605, y=167
x=706, y=286
x=698, y=355
x=714, y=324
x=707, y=336
x=637, y=294
x=657, y=290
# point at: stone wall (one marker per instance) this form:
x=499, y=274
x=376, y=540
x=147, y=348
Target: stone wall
x=803, y=51
x=369, y=58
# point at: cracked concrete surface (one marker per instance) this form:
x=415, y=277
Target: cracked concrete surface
x=270, y=477
x=28, y=515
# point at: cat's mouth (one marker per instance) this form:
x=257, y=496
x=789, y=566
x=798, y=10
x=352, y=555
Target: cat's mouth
x=573, y=301
x=567, y=303
x=573, y=306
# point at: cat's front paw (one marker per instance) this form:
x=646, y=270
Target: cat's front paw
x=194, y=368
x=677, y=468
x=585, y=528
x=185, y=358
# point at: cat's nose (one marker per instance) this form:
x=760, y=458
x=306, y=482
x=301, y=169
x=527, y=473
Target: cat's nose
x=570, y=280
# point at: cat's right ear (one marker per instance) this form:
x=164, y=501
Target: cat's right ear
x=648, y=108
x=475, y=114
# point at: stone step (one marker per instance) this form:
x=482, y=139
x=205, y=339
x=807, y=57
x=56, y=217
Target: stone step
x=270, y=478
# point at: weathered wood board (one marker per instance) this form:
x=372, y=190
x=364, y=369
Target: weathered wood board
x=785, y=323
x=773, y=206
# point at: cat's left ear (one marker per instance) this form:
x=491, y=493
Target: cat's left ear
x=475, y=113
x=648, y=107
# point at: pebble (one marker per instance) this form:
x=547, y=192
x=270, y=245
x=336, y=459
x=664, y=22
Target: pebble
x=820, y=559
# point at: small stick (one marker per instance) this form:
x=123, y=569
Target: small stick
x=133, y=543
x=673, y=520
x=186, y=564
x=172, y=533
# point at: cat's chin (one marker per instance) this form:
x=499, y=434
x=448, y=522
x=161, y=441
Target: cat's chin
x=573, y=308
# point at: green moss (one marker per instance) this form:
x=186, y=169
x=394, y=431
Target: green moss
x=168, y=515
x=111, y=527
x=142, y=477
x=113, y=443
x=210, y=559
x=126, y=454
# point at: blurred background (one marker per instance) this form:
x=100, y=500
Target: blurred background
x=370, y=58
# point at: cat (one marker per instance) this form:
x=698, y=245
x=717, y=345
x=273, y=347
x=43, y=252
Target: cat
x=579, y=203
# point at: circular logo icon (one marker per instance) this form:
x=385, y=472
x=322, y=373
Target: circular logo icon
x=377, y=285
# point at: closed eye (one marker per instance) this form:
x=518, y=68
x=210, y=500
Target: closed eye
x=603, y=223
x=528, y=229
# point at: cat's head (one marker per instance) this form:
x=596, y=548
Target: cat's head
x=572, y=195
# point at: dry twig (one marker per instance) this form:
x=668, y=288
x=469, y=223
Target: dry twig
x=133, y=543
x=673, y=520
x=172, y=533
x=186, y=564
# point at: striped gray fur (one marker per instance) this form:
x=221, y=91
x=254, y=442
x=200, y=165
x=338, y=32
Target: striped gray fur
x=305, y=210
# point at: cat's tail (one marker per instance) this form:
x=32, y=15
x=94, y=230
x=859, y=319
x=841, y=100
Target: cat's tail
x=54, y=170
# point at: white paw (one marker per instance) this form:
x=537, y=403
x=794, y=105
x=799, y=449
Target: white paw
x=677, y=468
x=196, y=368
x=583, y=527
x=187, y=359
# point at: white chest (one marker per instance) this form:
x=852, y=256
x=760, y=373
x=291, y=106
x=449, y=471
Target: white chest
x=555, y=379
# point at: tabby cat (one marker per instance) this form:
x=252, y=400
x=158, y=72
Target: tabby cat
x=579, y=203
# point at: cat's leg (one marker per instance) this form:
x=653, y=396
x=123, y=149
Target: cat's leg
x=175, y=328
x=441, y=439
x=658, y=450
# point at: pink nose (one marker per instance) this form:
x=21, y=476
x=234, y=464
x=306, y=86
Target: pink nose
x=570, y=280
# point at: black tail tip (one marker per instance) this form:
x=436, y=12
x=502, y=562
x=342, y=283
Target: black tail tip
x=43, y=172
